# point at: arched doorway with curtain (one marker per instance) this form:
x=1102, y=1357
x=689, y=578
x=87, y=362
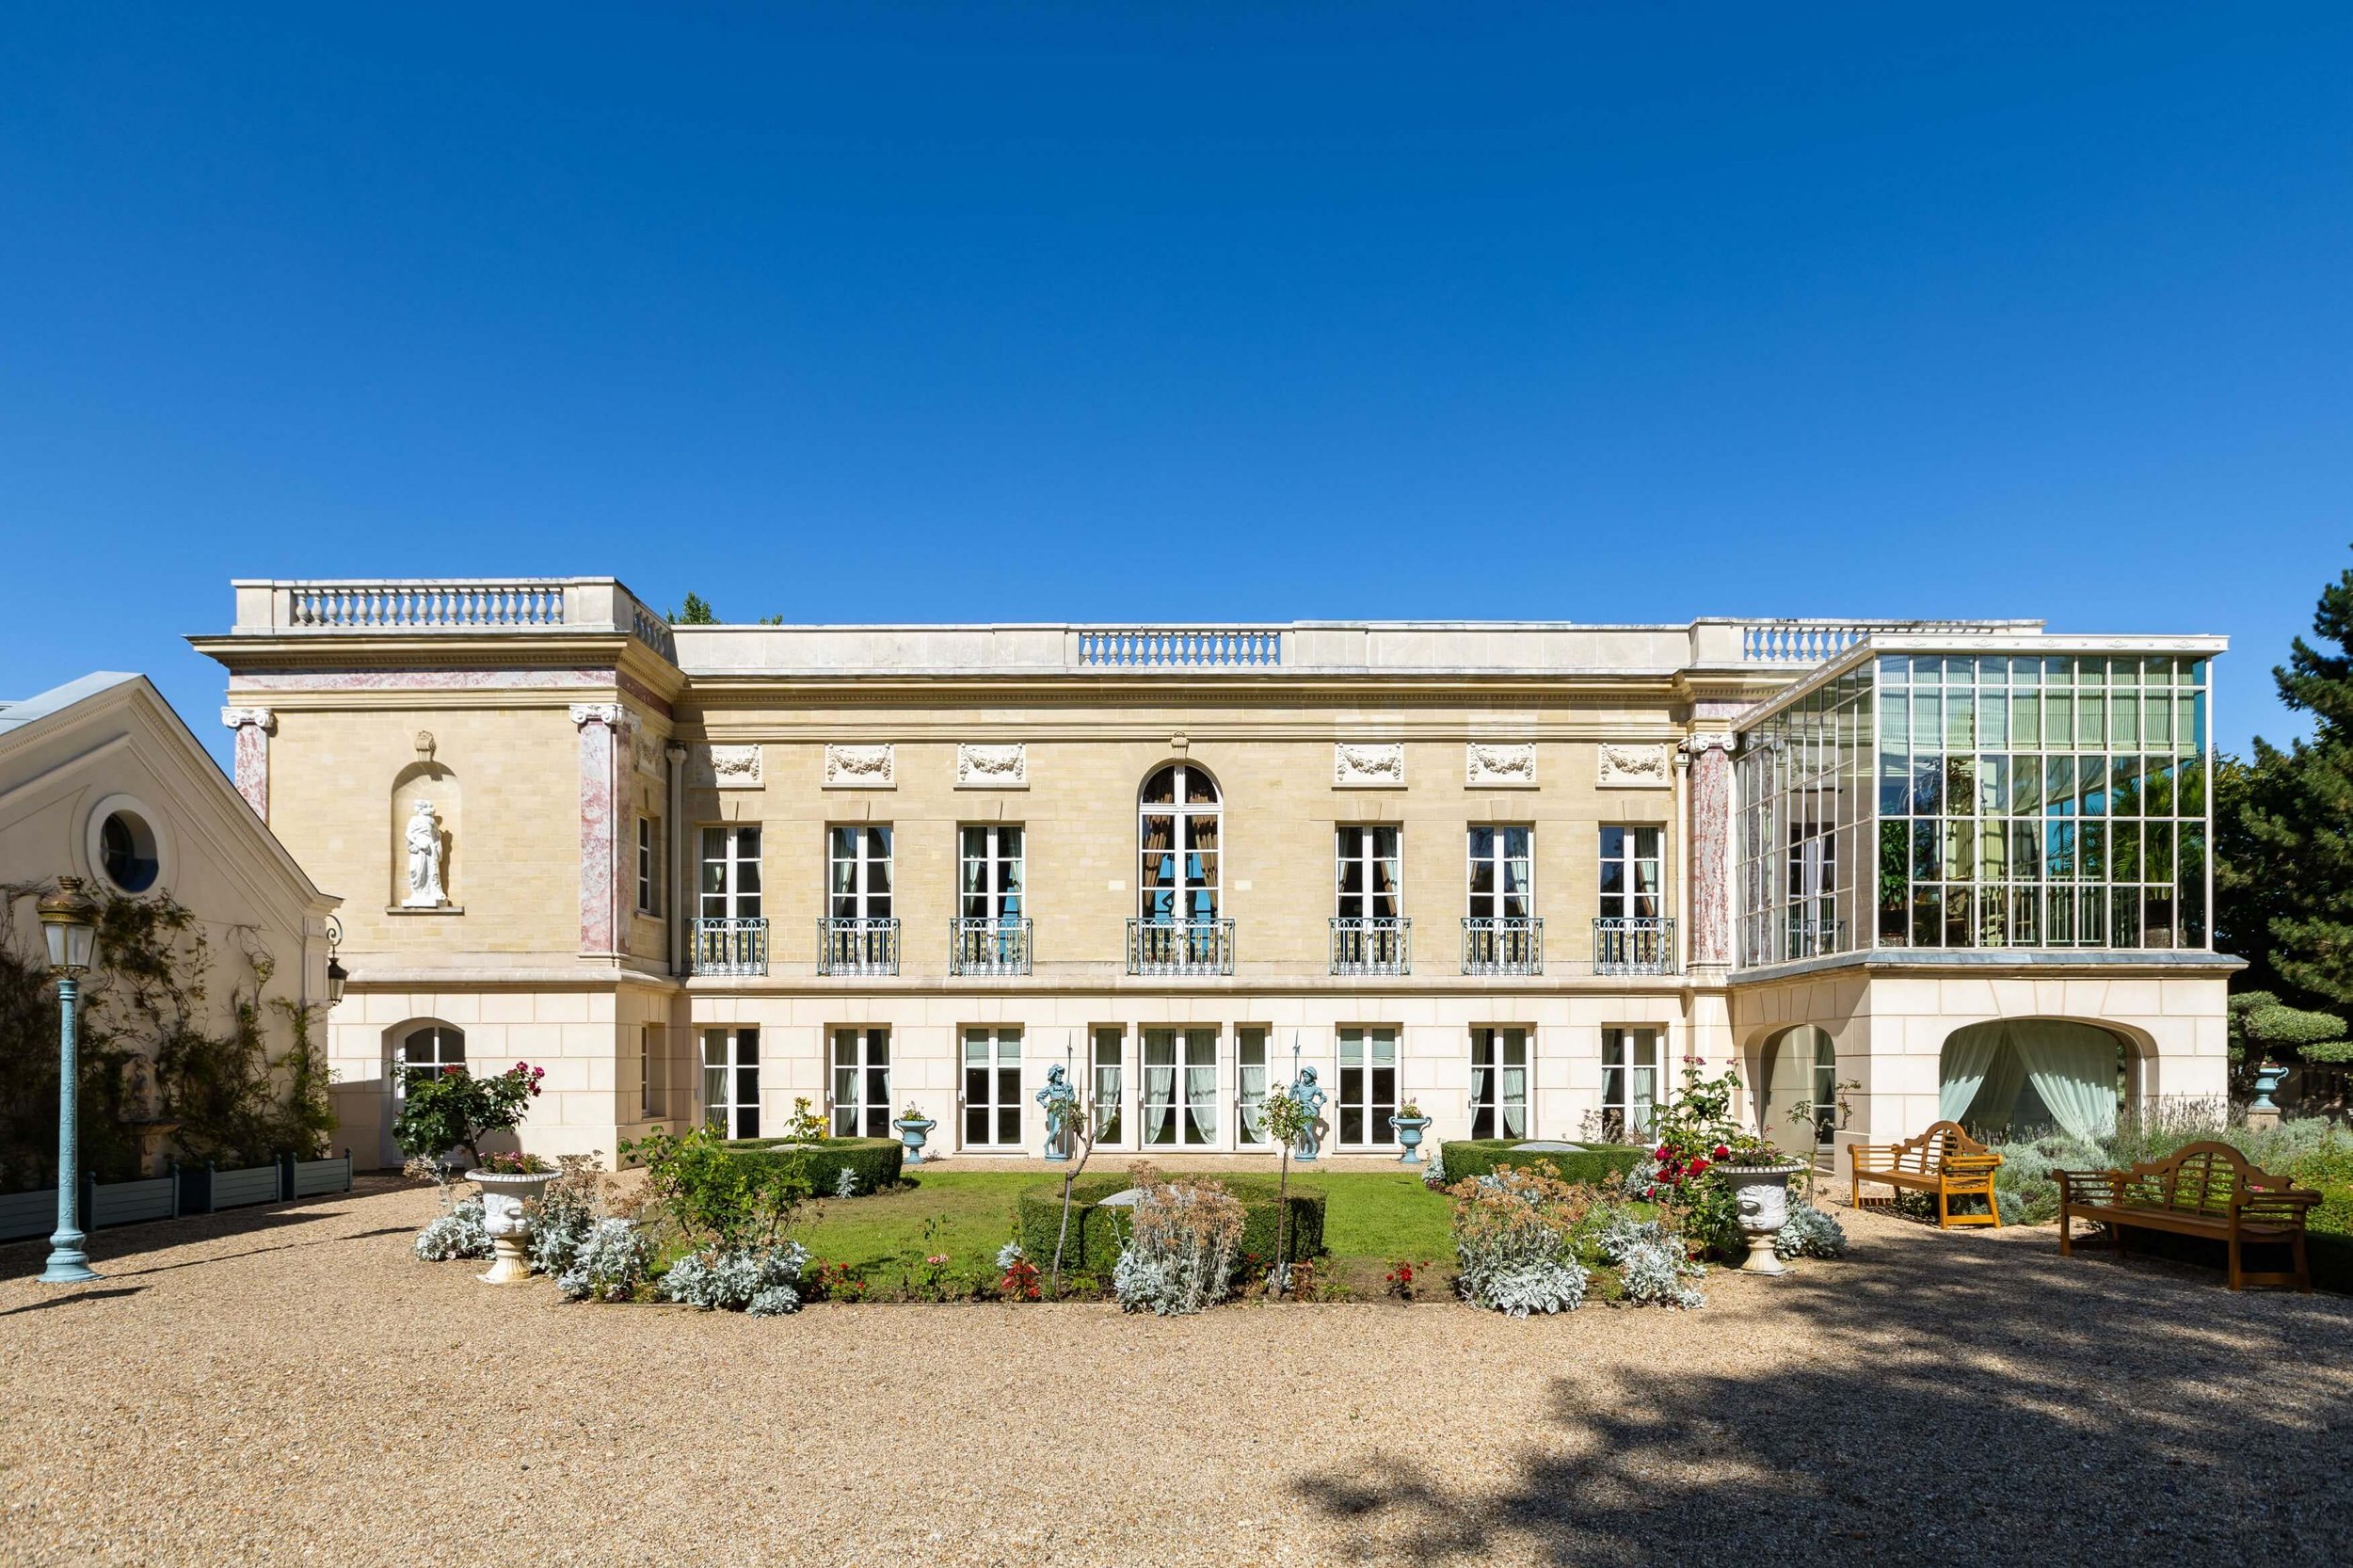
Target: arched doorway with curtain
x=1796, y=1095
x=2017, y=1077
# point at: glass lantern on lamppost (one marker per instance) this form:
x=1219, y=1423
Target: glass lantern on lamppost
x=68, y=924
x=336, y=973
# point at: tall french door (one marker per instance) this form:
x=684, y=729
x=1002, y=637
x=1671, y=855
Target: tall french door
x=1108, y=1089
x=732, y=1081
x=992, y=1088
x=1368, y=1088
x=1181, y=1089
x=1250, y=1087
x=1499, y=1083
x=861, y=1083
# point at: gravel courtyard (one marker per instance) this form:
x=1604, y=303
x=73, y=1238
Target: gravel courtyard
x=288, y=1386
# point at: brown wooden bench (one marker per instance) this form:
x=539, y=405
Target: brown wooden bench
x=1944, y=1160
x=2199, y=1189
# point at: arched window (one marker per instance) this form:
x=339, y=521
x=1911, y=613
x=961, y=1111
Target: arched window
x=434, y=1049
x=1177, y=840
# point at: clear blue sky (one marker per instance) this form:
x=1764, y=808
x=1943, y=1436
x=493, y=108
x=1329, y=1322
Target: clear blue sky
x=1128, y=312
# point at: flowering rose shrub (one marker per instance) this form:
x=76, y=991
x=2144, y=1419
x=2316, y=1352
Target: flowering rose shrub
x=456, y=1234
x=1809, y=1233
x=1180, y=1256
x=607, y=1264
x=1696, y=1135
x=758, y=1282
x=454, y=1110
x=1513, y=1242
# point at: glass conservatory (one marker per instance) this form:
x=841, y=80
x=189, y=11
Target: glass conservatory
x=1978, y=799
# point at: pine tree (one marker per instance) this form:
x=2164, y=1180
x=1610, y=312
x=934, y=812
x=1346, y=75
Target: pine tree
x=697, y=613
x=2284, y=826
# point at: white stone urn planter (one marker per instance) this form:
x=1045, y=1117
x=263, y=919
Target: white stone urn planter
x=1762, y=1192
x=508, y=1225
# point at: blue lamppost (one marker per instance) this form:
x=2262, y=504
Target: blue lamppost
x=68, y=922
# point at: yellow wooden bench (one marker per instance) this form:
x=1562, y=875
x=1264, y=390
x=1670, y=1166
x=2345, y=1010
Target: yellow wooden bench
x=1943, y=1160
x=2199, y=1189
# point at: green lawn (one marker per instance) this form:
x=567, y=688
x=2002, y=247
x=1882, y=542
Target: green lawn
x=1370, y=1218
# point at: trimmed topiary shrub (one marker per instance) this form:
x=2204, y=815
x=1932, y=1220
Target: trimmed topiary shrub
x=873, y=1164
x=1093, y=1243
x=1598, y=1165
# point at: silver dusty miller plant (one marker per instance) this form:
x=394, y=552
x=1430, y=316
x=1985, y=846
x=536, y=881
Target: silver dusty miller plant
x=456, y=1234
x=757, y=1282
x=1809, y=1233
x=1653, y=1264
x=608, y=1264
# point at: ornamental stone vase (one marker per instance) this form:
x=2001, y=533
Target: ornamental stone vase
x=912, y=1131
x=1409, y=1130
x=2267, y=1081
x=1763, y=1195
x=506, y=1222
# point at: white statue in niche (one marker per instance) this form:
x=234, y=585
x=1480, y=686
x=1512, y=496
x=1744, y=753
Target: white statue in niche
x=424, y=860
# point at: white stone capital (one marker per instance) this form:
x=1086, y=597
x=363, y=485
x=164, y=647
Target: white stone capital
x=259, y=719
x=607, y=714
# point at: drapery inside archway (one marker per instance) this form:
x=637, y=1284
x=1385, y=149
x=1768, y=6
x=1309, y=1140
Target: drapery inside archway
x=2072, y=1067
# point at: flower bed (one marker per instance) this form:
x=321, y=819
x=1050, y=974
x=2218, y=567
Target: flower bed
x=873, y=1164
x=1600, y=1166
x=1092, y=1245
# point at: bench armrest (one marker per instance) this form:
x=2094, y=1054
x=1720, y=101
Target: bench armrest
x=1973, y=1164
x=2087, y=1186
x=2276, y=1205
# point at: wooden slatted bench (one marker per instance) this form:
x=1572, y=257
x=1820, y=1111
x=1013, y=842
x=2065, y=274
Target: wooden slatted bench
x=2199, y=1189
x=1943, y=1160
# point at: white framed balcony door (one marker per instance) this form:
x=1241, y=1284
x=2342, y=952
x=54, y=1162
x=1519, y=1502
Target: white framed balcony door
x=1180, y=1088
x=992, y=1088
x=1499, y=1097
x=1368, y=1088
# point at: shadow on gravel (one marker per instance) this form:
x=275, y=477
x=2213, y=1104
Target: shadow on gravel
x=69, y=1300
x=1983, y=1402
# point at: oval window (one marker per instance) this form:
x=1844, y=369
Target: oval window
x=126, y=851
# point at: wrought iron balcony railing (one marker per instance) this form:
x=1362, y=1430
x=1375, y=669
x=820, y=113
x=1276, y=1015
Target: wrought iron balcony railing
x=1180, y=947
x=730, y=947
x=1504, y=945
x=1372, y=946
x=990, y=947
x=857, y=946
x=1634, y=945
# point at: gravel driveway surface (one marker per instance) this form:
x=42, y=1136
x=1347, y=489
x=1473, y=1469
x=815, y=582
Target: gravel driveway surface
x=288, y=1386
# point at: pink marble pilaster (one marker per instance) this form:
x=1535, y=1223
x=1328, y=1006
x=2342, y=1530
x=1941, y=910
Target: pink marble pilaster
x=253, y=728
x=1710, y=798
x=600, y=726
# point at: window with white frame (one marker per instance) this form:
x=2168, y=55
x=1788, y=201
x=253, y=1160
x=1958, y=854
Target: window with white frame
x=1250, y=1084
x=436, y=1051
x=1499, y=1097
x=732, y=1081
x=991, y=883
x=992, y=1088
x=861, y=1083
x=1630, y=1084
x=1109, y=1087
x=730, y=873
x=1369, y=873
x=648, y=866
x=1180, y=1088
x=1502, y=872
x=858, y=860
x=1631, y=866
x=1178, y=843
x=1368, y=1088
x=653, y=1064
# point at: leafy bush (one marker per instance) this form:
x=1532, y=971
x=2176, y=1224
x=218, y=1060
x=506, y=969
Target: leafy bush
x=607, y=1264
x=563, y=1213
x=2028, y=1195
x=1653, y=1264
x=1180, y=1258
x=1096, y=1233
x=1513, y=1241
x=1809, y=1233
x=722, y=1199
x=455, y=1110
x=757, y=1281
x=873, y=1164
x=1599, y=1165
x=456, y=1234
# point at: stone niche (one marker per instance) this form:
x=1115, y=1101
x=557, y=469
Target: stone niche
x=427, y=779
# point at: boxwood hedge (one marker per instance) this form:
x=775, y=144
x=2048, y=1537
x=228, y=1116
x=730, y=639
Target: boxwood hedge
x=1597, y=1165
x=876, y=1160
x=1092, y=1245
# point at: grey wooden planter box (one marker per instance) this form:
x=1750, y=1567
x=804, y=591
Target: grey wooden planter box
x=211, y=1191
x=125, y=1203
x=307, y=1179
x=24, y=1214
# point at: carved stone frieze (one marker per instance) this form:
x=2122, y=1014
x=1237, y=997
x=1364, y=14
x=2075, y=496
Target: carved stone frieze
x=1634, y=767
x=1499, y=763
x=992, y=767
x=1369, y=765
x=861, y=767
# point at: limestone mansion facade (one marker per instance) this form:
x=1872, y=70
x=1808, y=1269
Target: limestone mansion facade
x=1513, y=873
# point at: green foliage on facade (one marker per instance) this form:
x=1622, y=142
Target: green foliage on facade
x=232, y=1104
